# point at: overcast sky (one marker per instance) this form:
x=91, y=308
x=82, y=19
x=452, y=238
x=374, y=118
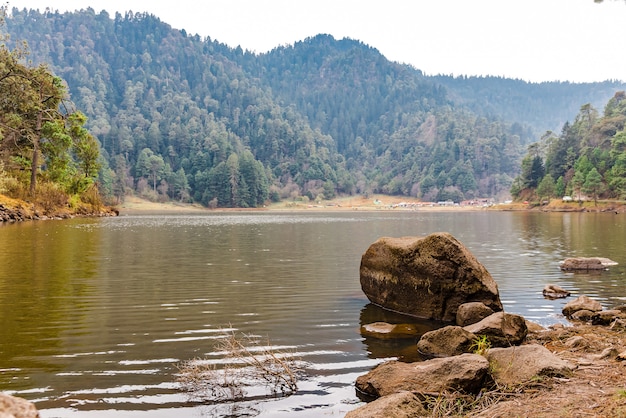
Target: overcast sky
x=534, y=40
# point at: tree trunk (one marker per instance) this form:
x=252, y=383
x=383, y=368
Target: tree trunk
x=35, y=160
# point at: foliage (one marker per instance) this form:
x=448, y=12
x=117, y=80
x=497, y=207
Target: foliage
x=547, y=187
x=318, y=118
x=480, y=345
x=247, y=363
x=588, y=158
x=41, y=140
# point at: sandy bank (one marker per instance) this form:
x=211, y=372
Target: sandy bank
x=134, y=204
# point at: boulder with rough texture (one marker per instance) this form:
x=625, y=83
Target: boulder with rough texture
x=552, y=291
x=576, y=342
x=587, y=263
x=583, y=315
x=472, y=312
x=502, y=329
x=13, y=407
x=580, y=303
x=398, y=405
x=445, y=342
x=426, y=277
x=386, y=331
x=607, y=317
x=515, y=365
x=465, y=373
x=534, y=327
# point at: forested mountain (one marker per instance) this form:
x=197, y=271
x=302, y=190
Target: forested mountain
x=543, y=106
x=588, y=158
x=187, y=118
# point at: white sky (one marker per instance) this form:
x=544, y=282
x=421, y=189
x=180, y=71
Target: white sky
x=534, y=40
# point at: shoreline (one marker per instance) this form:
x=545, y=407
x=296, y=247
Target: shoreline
x=134, y=204
x=12, y=210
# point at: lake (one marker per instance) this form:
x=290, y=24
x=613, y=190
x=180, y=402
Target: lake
x=97, y=313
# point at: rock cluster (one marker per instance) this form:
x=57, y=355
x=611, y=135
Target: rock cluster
x=485, y=347
x=467, y=360
x=586, y=309
x=17, y=214
x=22, y=213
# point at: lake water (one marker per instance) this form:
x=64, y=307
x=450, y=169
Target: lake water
x=96, y=313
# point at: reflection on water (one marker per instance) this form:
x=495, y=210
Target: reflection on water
x=96, y=313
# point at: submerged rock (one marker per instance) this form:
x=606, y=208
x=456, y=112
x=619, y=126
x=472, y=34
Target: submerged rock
x=384, y=330
x=426, y=277
x=587, y=263
x=552, y=291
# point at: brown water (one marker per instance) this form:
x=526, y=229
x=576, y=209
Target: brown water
x=96, y=313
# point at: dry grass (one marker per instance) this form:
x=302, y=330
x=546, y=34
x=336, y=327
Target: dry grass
x=596, y=388
x=247, y=363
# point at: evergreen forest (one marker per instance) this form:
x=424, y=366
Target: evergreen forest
x=180, y=117
x=586, y=161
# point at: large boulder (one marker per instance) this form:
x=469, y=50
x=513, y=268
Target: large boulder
x=13, y=407
x=516, y=365
x=399, y=405
x=502, y=329
x=587, y=263
x=426, y=277
x=445, y=342
x=465, y=373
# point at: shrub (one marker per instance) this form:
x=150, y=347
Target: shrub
x=247, y=364
x=481, y=345
x=51, y=197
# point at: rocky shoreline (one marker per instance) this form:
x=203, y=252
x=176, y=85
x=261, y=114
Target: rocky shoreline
x=595, y=387
x=551, y=372
x=487, y=363
x=18, y=211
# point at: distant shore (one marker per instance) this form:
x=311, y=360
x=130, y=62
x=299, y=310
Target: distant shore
x=15, y=210
x=134, y=204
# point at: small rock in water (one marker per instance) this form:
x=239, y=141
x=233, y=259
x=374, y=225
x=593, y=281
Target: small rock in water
x=552, y=291
x=384, y=330
x=587, y=263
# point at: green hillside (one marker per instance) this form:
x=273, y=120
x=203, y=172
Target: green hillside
x=185, y=118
